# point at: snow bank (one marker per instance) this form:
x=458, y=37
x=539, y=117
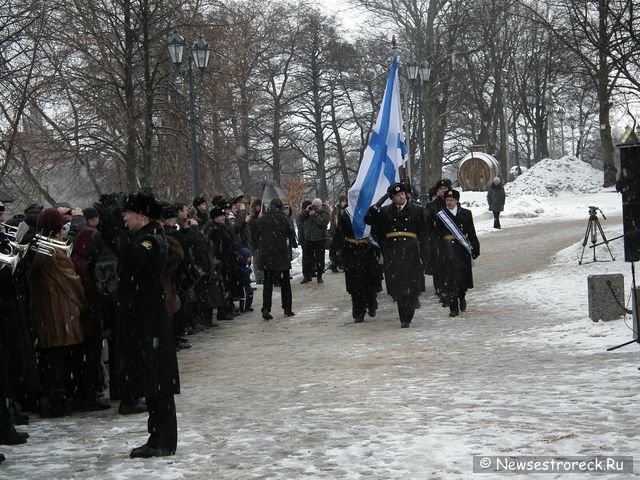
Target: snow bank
x=550, y=177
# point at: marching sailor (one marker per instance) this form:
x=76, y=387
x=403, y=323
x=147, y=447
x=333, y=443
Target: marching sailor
x=458, y=245
x=401, y=229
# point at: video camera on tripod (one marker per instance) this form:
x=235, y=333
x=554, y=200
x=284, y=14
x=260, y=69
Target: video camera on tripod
x=592, y=233
x=593, y=212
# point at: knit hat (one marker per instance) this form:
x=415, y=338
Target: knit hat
x=49, y=222
x=216, y=212
x=33, y=209
x=276, y=203
x=90, y=213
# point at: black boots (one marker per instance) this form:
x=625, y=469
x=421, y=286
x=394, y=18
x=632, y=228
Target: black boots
x=453, y=308
x=132, y=407
x=13, y=437
x=147, y=451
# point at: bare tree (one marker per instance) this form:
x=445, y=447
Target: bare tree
x=591, y=31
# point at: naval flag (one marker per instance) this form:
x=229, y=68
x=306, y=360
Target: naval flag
x=382, y=158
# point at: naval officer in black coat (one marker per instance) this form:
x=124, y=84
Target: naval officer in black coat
x=146, y=357
x=401, y=229
x=455, y=261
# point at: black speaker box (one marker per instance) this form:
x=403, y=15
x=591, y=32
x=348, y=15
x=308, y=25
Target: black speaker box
x=629, y=185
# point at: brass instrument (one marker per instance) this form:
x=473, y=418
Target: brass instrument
x=48, y=245
x=9, y=261
x=40, y=244
x=14, y=234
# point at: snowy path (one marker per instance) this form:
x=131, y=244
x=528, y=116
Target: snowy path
x=316, y=396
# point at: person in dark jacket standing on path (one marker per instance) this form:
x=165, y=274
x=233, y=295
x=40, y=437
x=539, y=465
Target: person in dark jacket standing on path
x=315, y=219
x=401, y=227
x=495, y=199
x=458, y=245
x=147, y=351
x=273, y=233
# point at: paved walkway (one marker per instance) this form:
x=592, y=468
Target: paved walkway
x=317, y=396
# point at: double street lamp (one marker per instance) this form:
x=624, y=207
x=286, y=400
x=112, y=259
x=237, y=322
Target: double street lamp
x=200, y=53
x=419, y=74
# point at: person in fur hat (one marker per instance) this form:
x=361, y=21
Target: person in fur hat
x=402, y=229
x=146, y=350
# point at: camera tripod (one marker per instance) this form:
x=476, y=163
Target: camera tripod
x=592, y=233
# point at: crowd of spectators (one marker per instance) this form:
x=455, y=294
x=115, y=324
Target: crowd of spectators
x=58, y=303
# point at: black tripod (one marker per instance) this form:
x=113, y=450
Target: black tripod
x=593, y=233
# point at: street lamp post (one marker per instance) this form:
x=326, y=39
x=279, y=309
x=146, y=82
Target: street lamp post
x=560, y=112
x=532, y=101
x=581, y=141
x=199, y=58
x=572, y=124
x=419, y=74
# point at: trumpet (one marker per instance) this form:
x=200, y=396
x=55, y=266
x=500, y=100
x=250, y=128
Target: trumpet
x=47, y=245
x=40, y=244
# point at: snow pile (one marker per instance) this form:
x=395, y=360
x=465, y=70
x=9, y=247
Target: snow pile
x=552, y=176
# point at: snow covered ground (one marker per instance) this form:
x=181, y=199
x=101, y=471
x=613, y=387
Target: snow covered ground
x=560, y=190
x=316, y=397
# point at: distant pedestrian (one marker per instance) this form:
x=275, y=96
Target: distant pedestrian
x=495, y=199
x=255, y=211
x=293, y=241
x=273, y=233
x=335, y=251
x=315, y=219
x=245, y=280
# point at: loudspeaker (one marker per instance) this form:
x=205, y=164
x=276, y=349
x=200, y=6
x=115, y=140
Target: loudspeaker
x=629, y=186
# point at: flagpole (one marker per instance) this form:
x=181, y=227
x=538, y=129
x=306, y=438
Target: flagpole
x=404, y=172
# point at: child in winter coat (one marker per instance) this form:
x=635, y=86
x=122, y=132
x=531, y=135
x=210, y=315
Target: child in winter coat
x=245, y=280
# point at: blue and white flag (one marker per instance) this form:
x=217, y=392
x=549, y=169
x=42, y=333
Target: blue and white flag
x=382, y=158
